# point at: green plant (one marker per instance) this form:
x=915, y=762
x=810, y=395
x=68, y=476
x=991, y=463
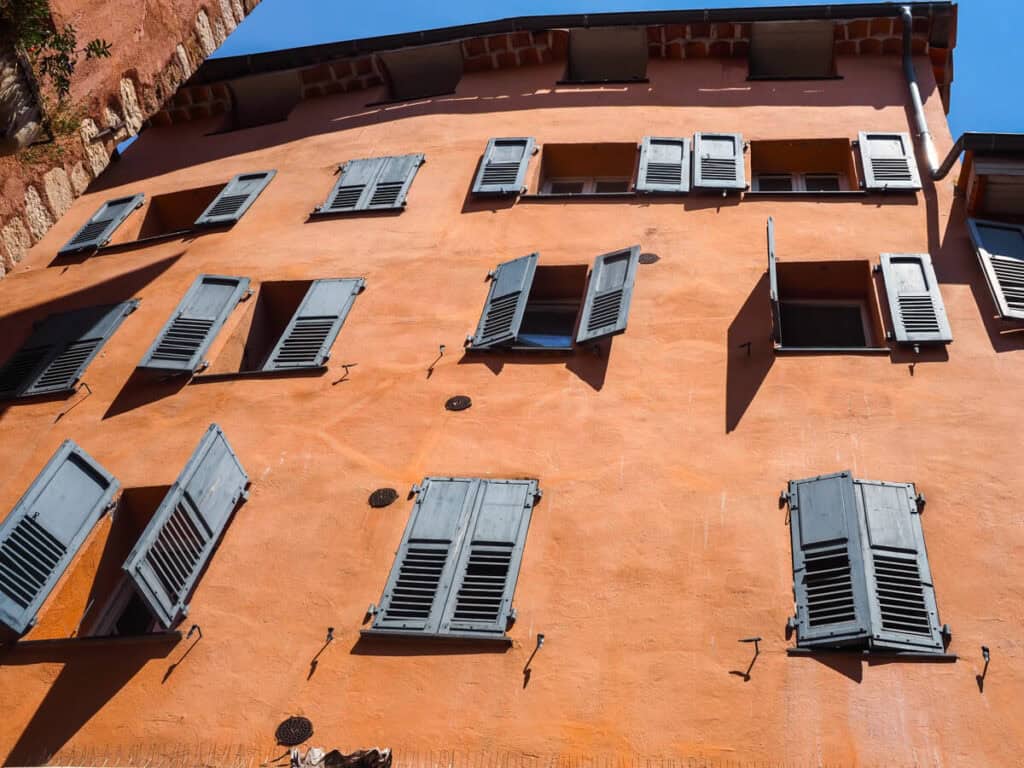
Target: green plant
x=53, y=52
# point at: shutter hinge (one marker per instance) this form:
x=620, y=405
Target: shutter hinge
x=491, y=274
x=416, y=489
x=511, y=619
x=372, y=610
x=537, y=496
x=469, y=340
x=921, y=501
x=245, y=296
x=876, y=268
x=784, y=499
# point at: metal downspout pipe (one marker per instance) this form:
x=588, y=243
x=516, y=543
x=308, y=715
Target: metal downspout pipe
x=924, y=136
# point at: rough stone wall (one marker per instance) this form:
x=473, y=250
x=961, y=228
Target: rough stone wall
x=156, y=46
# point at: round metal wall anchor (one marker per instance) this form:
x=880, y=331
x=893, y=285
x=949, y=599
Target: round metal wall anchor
x=294, y=731
x=457, y=403
x=382, y=497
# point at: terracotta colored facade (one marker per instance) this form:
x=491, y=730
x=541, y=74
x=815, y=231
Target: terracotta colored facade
x=659, y=542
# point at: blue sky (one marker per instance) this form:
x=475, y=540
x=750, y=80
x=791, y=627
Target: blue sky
x=988, y=61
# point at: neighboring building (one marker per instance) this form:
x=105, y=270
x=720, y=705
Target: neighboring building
x=284, y=297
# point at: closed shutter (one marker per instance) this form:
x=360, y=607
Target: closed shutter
x=664, y=165
x=101, y=226
x=195, y=323
x=915, y=303
x=773, y=286
x=420, y=581
x=1000, y=249
x=828, y=568
x=506, y=302
x=235, y=199
x=888, y=161
x=487, y=569
x=503, y=167
x=718, y=161
x=609, y=293
x=306, y=342
x=44, y=531
x=166, y=561
x=904, y=615
x=59, y=350
x=373, y=184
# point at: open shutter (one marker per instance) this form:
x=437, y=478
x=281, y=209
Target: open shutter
x=354, y=186
x=718, y=161
x=421, y=575
x=306, y=342
x=195, y=323
x=506, y=302
x=166, y=561
x=888, y=161
x=664, y=165
x=234, y=200
x=828, y=568
x=915, y=303
x=609, y=293
x=1000, y=249
x=503, y=167
x=101, y=226
x=393, y=181
x=488, y=565
x=44, y=531
x=60, y=349
x=904, y=615
x=773, y=286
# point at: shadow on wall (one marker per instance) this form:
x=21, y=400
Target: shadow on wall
x=589, y=362
x=383, y=645
x=750, y=353
x=175, y=147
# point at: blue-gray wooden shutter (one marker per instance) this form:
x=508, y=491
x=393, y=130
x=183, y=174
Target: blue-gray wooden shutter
x=904, y=615
x=506, y=302
x=888, y=161
x=718, y=161
x=306, y=342
x=1000, y=249
x=373, y=184
x=915, y=303
x=421, y=576
x=59, y=350
x=609, y=294
x=235, y=198
x=187, y=336
x=773, y=286
x=487, y=568
x=829, y=584
x=503, y=167
x=664, y=165
x=98, y=229
x=179, y=540
x=46, y=528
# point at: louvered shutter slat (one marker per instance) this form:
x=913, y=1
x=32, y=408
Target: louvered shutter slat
x=718, y=161
x=180, y=538
x=1000, y=250
x=506, y=302
x=503, y=167
x=46, y=528
x=97, y=231
x=235, y=198
x=915, y=302
x=828, y=570
x=354, y=187
x=773, y=286
x=307, y=341
x=609, y=294
x=888, y=161
x=392, y=184
x=664, y=165
x=187, y=336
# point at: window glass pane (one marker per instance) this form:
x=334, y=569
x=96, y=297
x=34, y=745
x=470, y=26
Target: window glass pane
x=775, y=183
x=821, y=182
x=566, y=188
x=822, y=325
x=611, y=185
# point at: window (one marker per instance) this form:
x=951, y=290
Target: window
x=809, y=166
x=993, y=186
x=888, y=162
x=792, y=50
x=607, y=55
x=587, y=186
x=587, y=169
x=261, y=99
x=458, y=562
x=59, y=349
x=534, y=307
x=861, y=577
x=502, y=169
x=291, y=326
x=372, y=184
x=1000, y=249
x=421, y=71
x=718, y=161
x=170, y=214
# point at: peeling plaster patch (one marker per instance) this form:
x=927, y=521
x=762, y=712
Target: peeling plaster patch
x=16, y=241
x=39, y=219
x=183, y=62
x=95, y=152
x=58, y=191
x=205, y=33
x=79, y=179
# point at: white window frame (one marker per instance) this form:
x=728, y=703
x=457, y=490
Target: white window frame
x=798, y=182
x=589, y=184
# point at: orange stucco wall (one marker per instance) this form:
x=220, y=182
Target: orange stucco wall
x=659, y=541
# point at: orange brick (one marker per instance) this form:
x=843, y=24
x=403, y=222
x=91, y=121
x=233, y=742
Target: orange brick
x=870, y=46
x=521, y=39
x=529, y=56
x=699, y=30
x=696, y=50
x=846, y=47
x=497, y=43
x=477, y=63
x=720, y=49
x=506, y=59
x=857, y=29
x=881, y=26
x=675, y=50
x=474, y=46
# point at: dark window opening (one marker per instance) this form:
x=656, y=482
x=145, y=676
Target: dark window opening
x=777, y=182
x=169, y=214
x=591, y=169
x=135, y=619
x=556, y=187
x=807, y=324
x=803, y=166
x=611, y=186
x=792, y=50
x=553, y=308
x=822, y=182
x=607, y=55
